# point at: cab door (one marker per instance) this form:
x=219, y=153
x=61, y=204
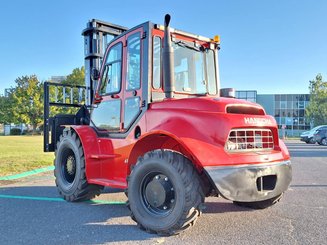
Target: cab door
x=119, y=94
x=132, y=86
x=118, y=104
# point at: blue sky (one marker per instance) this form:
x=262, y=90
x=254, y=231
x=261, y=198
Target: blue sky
x=270, y=46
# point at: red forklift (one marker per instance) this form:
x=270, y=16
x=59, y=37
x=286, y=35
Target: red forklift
x=152, y=120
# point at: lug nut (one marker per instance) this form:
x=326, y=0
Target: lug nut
x=157, y=177
x=166, y=179
x=172, y=200
x=164, y=207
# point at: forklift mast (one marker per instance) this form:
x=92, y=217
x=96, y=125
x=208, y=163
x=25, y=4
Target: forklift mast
x=96, y=37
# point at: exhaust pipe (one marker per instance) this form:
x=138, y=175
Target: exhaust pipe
x=168, y=61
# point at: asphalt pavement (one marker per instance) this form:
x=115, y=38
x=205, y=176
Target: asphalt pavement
x=32, y=212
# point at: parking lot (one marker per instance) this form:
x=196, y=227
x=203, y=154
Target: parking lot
x=32, y=212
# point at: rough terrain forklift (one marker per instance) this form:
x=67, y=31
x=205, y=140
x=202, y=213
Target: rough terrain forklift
x=153, y=121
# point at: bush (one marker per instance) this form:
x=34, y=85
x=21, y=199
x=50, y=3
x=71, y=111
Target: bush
x=15, y=131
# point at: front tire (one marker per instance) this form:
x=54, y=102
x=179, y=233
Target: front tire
x=165, y=193
x=260, y=204
x=312, y=141
x=70, y=169
x=324, y=141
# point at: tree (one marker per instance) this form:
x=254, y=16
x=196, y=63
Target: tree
x=76, y=77
x=28, y=101
x=316, y=111
x=6, y=103
x=24, y=104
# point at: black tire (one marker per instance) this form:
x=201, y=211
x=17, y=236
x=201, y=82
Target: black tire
x=312, y=141
x=324, y=141
x=261, y=204
x=165, y=193
x=70, y=169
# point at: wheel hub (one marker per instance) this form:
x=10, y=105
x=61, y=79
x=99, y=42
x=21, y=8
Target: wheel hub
x=155, y=193
x=70, y=165
x=159, y=194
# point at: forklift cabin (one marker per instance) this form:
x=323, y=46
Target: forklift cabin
x=128, y=73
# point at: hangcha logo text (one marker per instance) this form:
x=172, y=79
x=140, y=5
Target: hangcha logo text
x=253, y=120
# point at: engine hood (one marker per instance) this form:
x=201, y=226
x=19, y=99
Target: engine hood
x=222, y=105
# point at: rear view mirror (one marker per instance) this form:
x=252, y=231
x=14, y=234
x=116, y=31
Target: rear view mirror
x=95, y=74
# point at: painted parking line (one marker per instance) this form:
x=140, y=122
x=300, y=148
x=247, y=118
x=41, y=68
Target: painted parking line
x=58, y=199
x=28, y=173
x=54, y=199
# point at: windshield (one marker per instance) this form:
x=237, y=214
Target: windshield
x=314, y=129
x=194, y=69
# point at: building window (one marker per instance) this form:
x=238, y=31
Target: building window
x=283, y=104
x=250, y=95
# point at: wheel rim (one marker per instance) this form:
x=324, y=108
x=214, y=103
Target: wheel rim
x=68, y=166
x=158, y=194
x=324, y=141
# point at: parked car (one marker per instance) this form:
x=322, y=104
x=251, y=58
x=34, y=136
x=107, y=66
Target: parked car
x=321, y=136
x=308, y=136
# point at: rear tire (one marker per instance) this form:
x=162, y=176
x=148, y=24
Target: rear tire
x=70, y=169
x=165, y=193
x=260, y=204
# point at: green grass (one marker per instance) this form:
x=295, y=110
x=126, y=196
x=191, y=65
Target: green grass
x=22, y=153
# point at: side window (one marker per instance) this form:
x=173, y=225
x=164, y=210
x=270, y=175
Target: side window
x=181, y=74
x=156, y=71
x=132, y=109
x=107, y=115
x=200, y=83
x=111, y=78
x=133, y=62
x=210, y=60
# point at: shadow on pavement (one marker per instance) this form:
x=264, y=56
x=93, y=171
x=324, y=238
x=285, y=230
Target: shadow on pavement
x=223, y=207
